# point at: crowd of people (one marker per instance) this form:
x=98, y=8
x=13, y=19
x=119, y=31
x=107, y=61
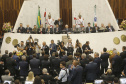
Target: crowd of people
x=58, y=64
x=59, y=30
x=56, y=27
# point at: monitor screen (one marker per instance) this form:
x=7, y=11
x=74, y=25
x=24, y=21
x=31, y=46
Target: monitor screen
x=98, y=81
x=122, y=80
x=8, y=82
x=28, y=82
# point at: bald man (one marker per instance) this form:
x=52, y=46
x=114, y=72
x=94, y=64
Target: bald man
x=45, y=48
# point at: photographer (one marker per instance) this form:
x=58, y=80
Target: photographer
x=45, y=48
x=21, y=46
x=62, y=48
x=86, y=48
x=37, y=49
x=78, y=47
x=70, y=47
x=29, y=46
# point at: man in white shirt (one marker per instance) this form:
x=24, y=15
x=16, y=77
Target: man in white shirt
x=63, y=73
x=79, y=21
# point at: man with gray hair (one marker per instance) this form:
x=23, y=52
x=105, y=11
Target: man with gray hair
x=116, y=64
x=46, y=77
x=24, y=67
x=83, y=63
x=97, y=60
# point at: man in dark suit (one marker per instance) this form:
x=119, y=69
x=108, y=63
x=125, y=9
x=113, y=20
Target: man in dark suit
x=45, y=48
x=4, y=57
x=83, y=63
x=116, y=64
x=110, y=28
x=21, y=29
x=45, y=63
x=48, y=30
x=91, y=71
x=88, y=28
x=35, y=64
x=41, y=30
x=98, y=61
x=95, y=29
x=104, y=63
x=77, y=75
x=123, y=54
x=60, y=23
x=52, y=47
x=57, y=30
x=10, y=63
x=56, y=64
x=24, y=67
x=28, y=28
x=64, y=58
x=46, y=77
x=86, y=48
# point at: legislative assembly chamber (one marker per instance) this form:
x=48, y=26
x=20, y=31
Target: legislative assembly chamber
x=62, y=41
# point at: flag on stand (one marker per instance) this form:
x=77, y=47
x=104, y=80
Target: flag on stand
x=39, y=18
x=45, y=14
x=75, y=16
x=95, y=20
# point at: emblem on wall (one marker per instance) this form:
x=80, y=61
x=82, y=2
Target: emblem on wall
x=8, y=40
x=116, y=40
x=15, y=42
x=123, y=38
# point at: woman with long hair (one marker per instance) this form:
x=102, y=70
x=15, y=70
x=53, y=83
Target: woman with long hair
x=30, y=76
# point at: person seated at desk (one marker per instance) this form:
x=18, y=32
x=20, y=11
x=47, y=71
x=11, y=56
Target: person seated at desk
x=102, y=28
x=110, y=28
x=66, y=30
x=81, y=29
x=74, y=28
x=35, y=30
x=28, y=28
x=57, y=29
x=41, y=30
x=95, y=29
x=88, y=28
x=21, y=29
x=48, y=30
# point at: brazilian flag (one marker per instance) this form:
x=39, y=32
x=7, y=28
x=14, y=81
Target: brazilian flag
x=39, y=18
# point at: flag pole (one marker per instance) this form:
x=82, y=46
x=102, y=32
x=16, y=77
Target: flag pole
x=45, y=19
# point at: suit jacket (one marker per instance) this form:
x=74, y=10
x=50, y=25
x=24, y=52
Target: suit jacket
x=98, y=61
x=60, y=23
x=22, y=30
x=35, y=64
x=7, y=77
x=24, y=67
x=10, y=63
x=43, y=31
x=123, y=54
x=56, y=64
x=116, y=64
x=124, y=66
x=94, y=30
x=87, y=29
x=83, y=62
x=45, y=64
x=50, y=32
x=111, y=28
x=53, y=46
x=46, y=49
x=69, y=63
x=84, y=47
x=16, y=58
x=4, y=57
x=46, y=78
x=57, y=32
x=91, y=71
x=28, y=28
x=77, y=75
x=104, y=57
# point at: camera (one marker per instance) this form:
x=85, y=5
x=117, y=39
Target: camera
x=16, y=46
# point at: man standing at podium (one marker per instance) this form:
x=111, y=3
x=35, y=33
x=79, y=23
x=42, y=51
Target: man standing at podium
x=50, y=22
x=79, y=21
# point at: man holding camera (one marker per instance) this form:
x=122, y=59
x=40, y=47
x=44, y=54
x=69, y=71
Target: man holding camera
x=21, y=46
x=45, y=48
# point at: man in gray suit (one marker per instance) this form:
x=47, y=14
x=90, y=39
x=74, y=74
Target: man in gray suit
x=7, y=76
